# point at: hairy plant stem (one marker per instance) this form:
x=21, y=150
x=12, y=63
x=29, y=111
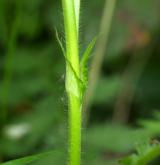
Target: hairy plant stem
x=71, y=23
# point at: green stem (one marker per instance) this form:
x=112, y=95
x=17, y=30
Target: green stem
x=9, y=63
x=130, y=78
x=71, y=23
x=75, y=131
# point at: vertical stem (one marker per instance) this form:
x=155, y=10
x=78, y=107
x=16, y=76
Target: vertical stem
x=71, y=33
x=130, y=78
x=12, y=42
x=71, y=23
x=77, y=12
x=75, y=131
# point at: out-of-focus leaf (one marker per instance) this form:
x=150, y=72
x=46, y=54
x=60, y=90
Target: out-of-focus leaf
x=145, y=154
x=30, y=159
x=114, y=137
x=106, y=90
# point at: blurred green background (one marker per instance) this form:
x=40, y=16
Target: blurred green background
x=33, y=106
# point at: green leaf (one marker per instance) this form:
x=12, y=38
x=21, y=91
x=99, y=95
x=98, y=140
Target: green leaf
x=60, y=43
x=28, y=159
x=66, y=59
x=146, y=152
x=83, y=79
x=79, y=81
x=84, y=61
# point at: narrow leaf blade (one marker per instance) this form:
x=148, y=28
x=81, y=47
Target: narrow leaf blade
x=60, y=43
x=84, y=61
x=28, y=159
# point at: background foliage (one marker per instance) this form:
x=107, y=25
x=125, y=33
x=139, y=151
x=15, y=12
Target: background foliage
x=32, y=71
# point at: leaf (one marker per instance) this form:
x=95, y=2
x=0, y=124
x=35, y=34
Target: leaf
x=64, y=53
x=146, y=152
x=78, y=79
x=152, y=125
x=28, y=159
x=60, y=43
x=80, y=83
x=114, y=137
x=82, y=80
x=84, y=61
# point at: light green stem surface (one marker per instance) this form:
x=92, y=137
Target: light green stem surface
x=74, y=131
x=71, y=23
